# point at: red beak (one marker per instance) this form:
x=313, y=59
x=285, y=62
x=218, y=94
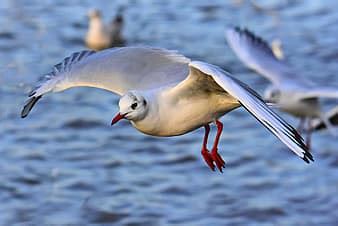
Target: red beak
x=117, y=118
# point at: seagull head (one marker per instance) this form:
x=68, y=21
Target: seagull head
x=133, y=106
x=272, y=94
x=94, y=13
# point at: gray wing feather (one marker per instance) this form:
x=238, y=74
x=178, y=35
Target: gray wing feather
x=120, y=69
x=67, y=63
x=47, y=82
x=117, y=70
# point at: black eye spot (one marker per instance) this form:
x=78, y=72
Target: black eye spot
x=134, y=106
x=144, y=102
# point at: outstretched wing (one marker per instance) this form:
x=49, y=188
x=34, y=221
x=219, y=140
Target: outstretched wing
x=257, y=55
x=117, y=70
x=253, y=103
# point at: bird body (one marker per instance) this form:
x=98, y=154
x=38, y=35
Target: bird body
x=298, y=107
x=164, y=93
x=190, y=105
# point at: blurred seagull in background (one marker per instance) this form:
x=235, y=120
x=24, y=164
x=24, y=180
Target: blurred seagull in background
x=115, y=29
x=100, y=36
x=291, y=93
x=166, y=94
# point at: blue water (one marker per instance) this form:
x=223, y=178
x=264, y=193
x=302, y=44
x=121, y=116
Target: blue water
x=64, y=164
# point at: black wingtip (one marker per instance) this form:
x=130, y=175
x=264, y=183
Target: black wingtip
x=236, y=28
x=257, y=40
x=28, y=107
x=306, y=160
x=308, y=154
x=31, y=93
x=307, y=157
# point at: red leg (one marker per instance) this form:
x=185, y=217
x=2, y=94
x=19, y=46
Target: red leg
x=205, y=152
x=214, y=154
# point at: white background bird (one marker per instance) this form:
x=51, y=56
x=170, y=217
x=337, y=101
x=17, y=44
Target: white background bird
x=166, y=94
x=100, y=36
x=292, y=93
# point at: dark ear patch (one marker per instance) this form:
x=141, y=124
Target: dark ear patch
x=28, y=107
x=132, y=96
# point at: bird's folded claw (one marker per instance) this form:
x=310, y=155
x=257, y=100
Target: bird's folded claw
x=217, y=159
x=212, y=158
x=208, y=159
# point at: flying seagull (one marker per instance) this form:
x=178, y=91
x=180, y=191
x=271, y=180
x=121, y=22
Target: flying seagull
x=164, y=94
x=291, y=93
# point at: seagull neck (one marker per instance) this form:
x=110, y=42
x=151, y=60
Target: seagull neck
x=96, y=25
x=148, y=124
